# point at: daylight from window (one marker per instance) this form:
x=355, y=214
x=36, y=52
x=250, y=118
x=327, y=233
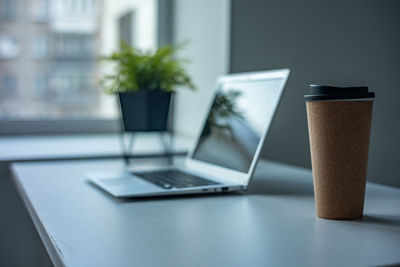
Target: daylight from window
x=49, y=52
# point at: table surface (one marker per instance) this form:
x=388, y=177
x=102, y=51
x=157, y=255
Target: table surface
x=273, y=223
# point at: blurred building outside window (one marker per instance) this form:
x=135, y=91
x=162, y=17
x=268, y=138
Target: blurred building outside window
x=9, y=47
x=49, y=51
x=40, y=47
x=8, y=9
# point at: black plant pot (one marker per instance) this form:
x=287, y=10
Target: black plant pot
x=145, y=111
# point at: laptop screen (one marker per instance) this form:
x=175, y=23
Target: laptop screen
x=240, y=112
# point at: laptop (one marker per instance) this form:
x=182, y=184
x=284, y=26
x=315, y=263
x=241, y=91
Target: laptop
x=226, y=150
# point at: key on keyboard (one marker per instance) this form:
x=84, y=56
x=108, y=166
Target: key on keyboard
x=169, y=179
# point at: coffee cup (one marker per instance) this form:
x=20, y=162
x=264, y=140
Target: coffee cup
x=339, y=123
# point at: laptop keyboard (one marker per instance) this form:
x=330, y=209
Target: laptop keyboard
x=168, y=179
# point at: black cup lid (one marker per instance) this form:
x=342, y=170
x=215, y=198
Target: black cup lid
x=325, y=92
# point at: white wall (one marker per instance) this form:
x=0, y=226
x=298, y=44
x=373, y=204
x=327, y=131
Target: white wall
x=205, y=25
x=145, y=32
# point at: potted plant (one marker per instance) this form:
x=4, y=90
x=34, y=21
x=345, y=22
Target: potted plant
x=145, y=83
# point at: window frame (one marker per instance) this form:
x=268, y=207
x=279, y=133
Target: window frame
x=164, y=16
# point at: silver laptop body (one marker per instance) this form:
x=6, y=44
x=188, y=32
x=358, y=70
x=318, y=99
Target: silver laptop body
x=226, y=149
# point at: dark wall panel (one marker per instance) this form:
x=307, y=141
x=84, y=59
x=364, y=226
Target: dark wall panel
x=330, y=42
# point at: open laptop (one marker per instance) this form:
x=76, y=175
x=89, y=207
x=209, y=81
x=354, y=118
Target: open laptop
x=226, y=149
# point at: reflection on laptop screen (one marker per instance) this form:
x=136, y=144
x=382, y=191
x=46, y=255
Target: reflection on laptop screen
x=239, y=114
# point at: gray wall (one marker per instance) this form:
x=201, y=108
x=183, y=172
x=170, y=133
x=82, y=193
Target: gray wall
x=328, y=42
x=20, y=244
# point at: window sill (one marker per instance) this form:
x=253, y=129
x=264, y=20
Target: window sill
x=89, y=146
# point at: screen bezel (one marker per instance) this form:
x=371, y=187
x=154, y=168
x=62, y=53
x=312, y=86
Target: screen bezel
x=224, y=173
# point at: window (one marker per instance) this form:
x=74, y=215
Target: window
x=8, y=85
x=126, y=34
x=41, y=85
x=9, y=47
x=40, y=10
x=74, y=47
x=8, y=9
x=51, y=58
x=8, y=89
x=40, y=47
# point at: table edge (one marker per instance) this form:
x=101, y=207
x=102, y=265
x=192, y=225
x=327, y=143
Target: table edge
x=51, y=247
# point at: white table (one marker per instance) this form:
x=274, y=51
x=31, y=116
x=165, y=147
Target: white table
x=272, y=224
x=20, y=245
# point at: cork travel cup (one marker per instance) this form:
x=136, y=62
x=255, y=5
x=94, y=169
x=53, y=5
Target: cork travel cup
x=339, y=122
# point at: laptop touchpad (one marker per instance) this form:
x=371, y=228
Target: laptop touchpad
x=128, y=185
